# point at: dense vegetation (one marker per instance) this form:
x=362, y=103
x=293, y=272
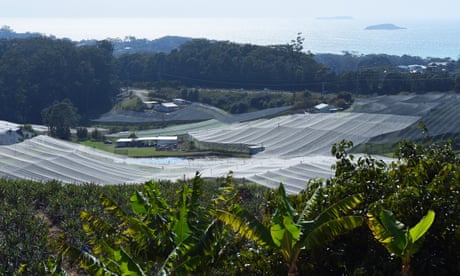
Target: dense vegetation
x=203, y=63
x=35, y=72
x=238, y=229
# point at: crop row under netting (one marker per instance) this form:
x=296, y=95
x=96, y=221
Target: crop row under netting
x=297, y=149
x=305, y=134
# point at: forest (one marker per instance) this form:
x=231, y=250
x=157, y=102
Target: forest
x=35, y=72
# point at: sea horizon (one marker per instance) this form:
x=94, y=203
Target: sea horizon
x=434, y=38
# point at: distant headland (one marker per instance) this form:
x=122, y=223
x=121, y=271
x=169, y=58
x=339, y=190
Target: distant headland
x=384, y=27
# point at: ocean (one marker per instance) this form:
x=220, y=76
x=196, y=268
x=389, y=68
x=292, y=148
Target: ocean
x=419, y=38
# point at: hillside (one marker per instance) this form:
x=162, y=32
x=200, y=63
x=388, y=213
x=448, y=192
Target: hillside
x=191, y=113
x=438, y=112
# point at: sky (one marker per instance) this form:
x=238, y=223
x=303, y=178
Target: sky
x=408, y=9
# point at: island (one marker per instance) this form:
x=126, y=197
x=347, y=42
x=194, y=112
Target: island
x=384, y=27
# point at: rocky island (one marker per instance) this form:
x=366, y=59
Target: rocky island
x=384, y=27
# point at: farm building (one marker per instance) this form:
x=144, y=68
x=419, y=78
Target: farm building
x=166, y=107
x=124, y=142
x=150, y=104
x=181, y=101
x=160, y=142
x=322, y=108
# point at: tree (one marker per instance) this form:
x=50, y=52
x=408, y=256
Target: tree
x=288, y=231
x=425, y=177
x=60, y=117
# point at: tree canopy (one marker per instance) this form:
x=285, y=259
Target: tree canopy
x=35, y=72
x=60, y=117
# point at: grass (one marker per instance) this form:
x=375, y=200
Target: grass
x=132, y=151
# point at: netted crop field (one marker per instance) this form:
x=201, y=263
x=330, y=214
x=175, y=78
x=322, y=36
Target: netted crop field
x=297, y=147
x=174, y=130
x=43, y=158
x=438, y=112
x=306, y=134
x=412, y=104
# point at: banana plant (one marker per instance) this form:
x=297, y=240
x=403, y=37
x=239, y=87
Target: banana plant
x=396, y=238
x=159, y=238
x=289, y=232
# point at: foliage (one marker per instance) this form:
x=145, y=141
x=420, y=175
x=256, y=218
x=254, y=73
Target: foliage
x=230, y=100
x=289, y=231
x=37, y=71
x=34, y=214
x=397, y=240
x=179, y=227
x=60, y=117
x=82, y=133
x=201, y=62
x=424, y=178
x=158, y=238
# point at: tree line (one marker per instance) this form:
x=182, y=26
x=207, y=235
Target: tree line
x=205, y=63
x=36, y=72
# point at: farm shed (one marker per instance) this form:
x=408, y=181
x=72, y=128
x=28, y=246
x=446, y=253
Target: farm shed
x=166, y=107
x=322, y=108
x=158, y=141
x=124, y=142
x=179, y=101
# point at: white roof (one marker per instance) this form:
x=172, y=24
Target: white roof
x=321, y=106
x=156, y=138
x=124, y=140
x=170, y=105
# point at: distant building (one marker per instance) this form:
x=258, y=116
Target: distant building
x=321, y=108
x=160, y=142
x=413, y=68
x=179, y=101
x=150, y=104
x=166, y=107
x=124, y=142
x=325, y=108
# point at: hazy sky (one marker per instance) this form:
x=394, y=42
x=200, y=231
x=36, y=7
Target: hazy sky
x=399, y=9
